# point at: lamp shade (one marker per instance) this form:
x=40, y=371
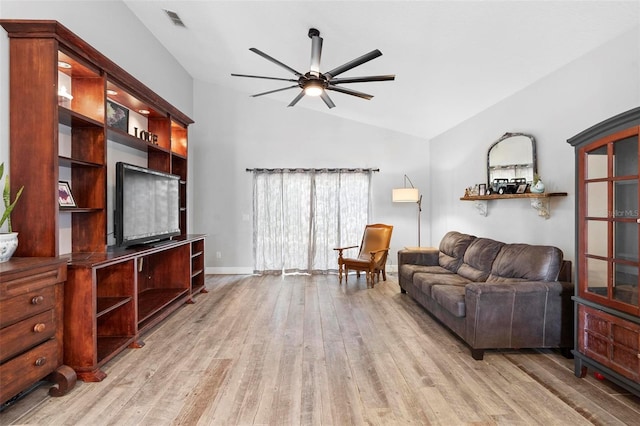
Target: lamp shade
x=405, y=195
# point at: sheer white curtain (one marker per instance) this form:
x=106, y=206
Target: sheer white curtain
x=300, y=216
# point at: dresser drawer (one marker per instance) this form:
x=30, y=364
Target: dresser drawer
x=25, y=334
x=28, y=368
x=25, y=305
x=18, y=280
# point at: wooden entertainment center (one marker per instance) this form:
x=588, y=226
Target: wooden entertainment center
x=62, y=94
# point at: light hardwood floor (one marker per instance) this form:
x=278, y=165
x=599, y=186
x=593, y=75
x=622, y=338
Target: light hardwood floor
x=306, y=350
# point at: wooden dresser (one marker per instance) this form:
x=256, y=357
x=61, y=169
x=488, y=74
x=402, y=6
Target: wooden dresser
x=31, y=306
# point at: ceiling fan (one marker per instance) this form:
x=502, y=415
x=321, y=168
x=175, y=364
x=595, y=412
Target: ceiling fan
x=316, y=83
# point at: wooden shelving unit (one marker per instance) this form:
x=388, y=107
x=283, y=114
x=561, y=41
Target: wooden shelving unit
x=112, y=295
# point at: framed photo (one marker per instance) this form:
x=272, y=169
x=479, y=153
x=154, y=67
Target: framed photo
x=482, y=189
x=117, y=116
x=65, y=199
x=521, y=188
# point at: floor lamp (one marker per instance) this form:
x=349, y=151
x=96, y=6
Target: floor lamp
x=409, y=195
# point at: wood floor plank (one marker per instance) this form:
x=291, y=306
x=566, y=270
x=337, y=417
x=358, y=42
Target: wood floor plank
x=270, y=350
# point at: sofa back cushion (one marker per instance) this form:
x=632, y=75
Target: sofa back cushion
x=452, y=249
x=524, y=262
x=477, y=260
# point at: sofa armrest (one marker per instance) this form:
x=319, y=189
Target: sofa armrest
x=424, y=257
x=528, y=314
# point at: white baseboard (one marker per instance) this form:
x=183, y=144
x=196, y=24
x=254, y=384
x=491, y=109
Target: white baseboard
x=247, y=270
x=229, y=270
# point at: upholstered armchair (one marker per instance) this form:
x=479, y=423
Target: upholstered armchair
x=372, y=257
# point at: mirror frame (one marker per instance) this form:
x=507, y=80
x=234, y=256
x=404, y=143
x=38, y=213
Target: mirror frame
x=507, y=136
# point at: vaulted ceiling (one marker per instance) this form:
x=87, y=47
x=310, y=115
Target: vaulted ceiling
x=452, y=59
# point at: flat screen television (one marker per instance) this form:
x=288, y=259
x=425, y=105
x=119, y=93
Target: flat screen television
x=147, y=205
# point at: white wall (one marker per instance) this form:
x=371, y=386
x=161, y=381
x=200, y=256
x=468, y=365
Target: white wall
x=601, y=84
x=235, y=132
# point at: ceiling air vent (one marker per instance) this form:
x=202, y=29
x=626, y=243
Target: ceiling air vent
x=174, y=18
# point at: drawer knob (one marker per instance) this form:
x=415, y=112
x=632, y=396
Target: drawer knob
x=39, y=328
x=36, y=300
x=41, y=361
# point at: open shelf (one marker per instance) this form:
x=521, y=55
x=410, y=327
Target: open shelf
x=539, y=202
x=131, y=141
x=197, y=267
x=105, y=305
x=108, y=346
x=75, y=119
x=68, y=162
x=154, y=300
x=510, y=196
x=79, y=209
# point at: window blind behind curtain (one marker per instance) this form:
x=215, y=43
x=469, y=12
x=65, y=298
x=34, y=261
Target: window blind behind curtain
x=301, y=215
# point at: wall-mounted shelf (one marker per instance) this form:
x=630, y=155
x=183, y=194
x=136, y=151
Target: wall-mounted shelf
x=540, y=202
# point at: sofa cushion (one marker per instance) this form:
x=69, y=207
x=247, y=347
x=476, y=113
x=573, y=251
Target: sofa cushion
x=452, y=248
x=477, y=260
x=425, y=281
x=451, y=298
x=408, y=270
x=524, y=262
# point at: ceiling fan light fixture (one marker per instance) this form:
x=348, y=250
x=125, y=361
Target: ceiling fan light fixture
x=313, y=89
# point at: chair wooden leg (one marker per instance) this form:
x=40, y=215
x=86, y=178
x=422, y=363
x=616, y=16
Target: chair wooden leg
x=384, y=275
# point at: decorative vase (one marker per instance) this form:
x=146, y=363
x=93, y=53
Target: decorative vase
x=8, y=245
x=538, y=188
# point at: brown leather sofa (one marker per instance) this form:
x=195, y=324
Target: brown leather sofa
x=491, y=294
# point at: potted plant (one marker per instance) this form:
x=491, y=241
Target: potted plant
x=537, y=186
x=9, y=239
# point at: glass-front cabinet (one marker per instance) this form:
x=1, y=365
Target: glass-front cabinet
x=609, y=220
x=607, y=242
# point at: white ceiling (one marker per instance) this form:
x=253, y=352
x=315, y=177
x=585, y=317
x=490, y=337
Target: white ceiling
x=452, y=59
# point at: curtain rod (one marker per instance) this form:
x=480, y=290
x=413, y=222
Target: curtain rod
x=299, y=169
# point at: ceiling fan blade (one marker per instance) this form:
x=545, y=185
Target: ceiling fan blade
x=266, y=78
x=275, y=61
x=274, y=91
x=363, y=79
x=316, y=53
x=297, y=98
x=353, y=63
x=327, y=100
x=350, y=92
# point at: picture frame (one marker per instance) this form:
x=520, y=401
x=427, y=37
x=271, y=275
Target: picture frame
x=65, y=198
x=117, y=116
x=482, y=189
x=522, y=188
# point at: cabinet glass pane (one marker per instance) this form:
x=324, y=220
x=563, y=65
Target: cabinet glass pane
x=597, y=199
x=625, y=282
x=597, y=238
x=626, y=241
x=597, y=277
x=597, y=163
x=625, y=157
x=625, y=199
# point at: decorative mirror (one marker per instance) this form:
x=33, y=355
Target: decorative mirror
x=512, y=156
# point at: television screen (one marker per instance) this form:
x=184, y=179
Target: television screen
x=147, y=205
